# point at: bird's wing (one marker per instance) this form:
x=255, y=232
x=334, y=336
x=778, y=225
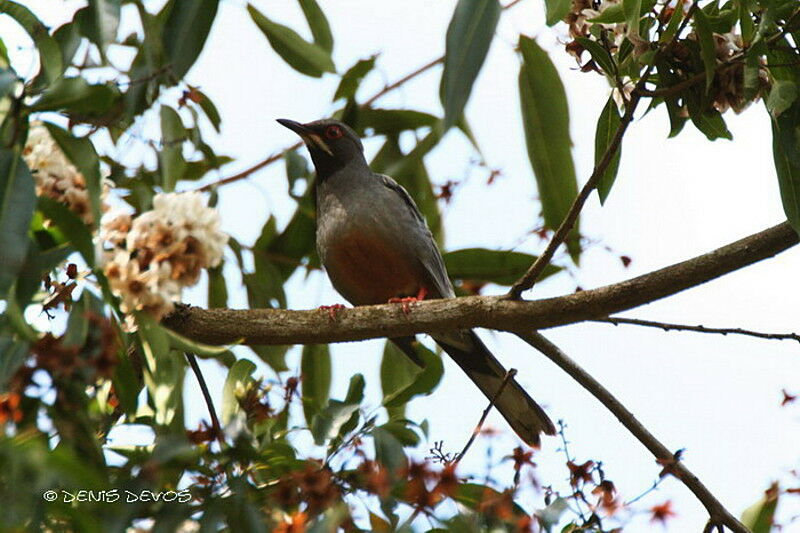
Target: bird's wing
x=426, y=250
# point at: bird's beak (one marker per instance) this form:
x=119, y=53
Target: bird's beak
x=307, y=134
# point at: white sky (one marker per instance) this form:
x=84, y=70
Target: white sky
x=718, y=397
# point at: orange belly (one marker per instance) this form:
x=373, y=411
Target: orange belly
x=366, y=269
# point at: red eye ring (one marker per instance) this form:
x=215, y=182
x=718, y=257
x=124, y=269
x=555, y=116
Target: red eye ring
x=334, y=132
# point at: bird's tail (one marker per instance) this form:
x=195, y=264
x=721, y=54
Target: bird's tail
x=524, y=415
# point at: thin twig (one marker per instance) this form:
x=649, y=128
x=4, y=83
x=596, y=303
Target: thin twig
x=719, y=515
x=666, y=326
x=402, y=81
x=564, y=229
x=475, y=432
x=215, y=426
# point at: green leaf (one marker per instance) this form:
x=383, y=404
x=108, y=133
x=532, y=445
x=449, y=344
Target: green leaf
x=633, y=14
x=76, y=95
x=80, y=151
x=781, y=96
x=320, y=29
x=217, y=288
x=556, y=10
x=17, y=201
x=274, y=356
x=551, y=514
x=239, y=376
x=758, y=518
x=708, y=120
x=389, y=451
x=469, y=37
x=209, y=109
x=472, y=495
x=708, y=48
x=8, y=80
x=185, y=32
x=352, y=78
x=607, y=125
x=599, y=54
x=14, y=351
x=545, y=116
x=786, y=153
x=184, y=344
x=306, y=58
x=393, y=121
x=69, y=38
x=397, y=372
x=73, y=228
x=503, y=267
x=424, y=381
x=103, y=22
x=613, y=14
x=49, y=52
x=327, y=423
x=315, y=369
x=172, y=165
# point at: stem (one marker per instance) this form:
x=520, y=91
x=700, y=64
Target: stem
x=717, y=512
x=207, y=397
x=666, y=326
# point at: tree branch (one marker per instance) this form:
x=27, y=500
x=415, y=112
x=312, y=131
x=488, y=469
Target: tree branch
x=672, y=464
x=282, y=326
x=666, y=326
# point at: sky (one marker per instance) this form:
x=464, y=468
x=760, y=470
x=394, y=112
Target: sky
x=716, y=397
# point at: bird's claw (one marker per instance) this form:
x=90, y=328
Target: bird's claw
x=332, y=310
x=406, y=302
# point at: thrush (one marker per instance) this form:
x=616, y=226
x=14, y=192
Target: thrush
x=376, y=247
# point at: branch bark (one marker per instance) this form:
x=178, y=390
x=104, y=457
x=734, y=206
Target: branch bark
x=669, y=460
x=281, y=326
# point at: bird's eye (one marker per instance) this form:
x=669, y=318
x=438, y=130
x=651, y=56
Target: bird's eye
x=334, y=132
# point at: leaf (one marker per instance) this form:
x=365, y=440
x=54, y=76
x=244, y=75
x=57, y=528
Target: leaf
x=556, y=10
x=8, y=81
x=472, y=495
x=80, y=151
x=607, y=125
x=274, y=356
x=352, y=78
x=781, y=96
x=545, y=117
x=424, y=382
x=103, y=22
x=389, y=451
x=185, y=32
x=73, y=228
x=172, y=165
x=708, y=48
x=397, y=372
x=709, y=120
x=306, y=58
x=469, y=37
x=327, y=423
x=49, y=52
x=239, y=376
x=315, y=372
x=320, y=29
x=209, y=109
x=217, y=288
x=185, y=344
x=786, y=153
x=503, y=267
x=633, y=14
x=393, y=121
x=758, y=518
x=78, y=96
x=551, y=514
x=599, y=54
x=14, y=351
x=17, y=201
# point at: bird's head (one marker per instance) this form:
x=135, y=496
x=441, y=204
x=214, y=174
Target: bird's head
x=332, y=144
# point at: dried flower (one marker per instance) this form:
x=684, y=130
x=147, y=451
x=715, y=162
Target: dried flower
x=155, y=255
x=55, y=176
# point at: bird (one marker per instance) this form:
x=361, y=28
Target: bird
x=376, y=248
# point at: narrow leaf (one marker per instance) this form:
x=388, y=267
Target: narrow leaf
x=315, y=368
x=607, y=125
x=469, y=36
x=503, y=267
x=352, y=78
x=17, y=201
x=172, y=165
x=556, y=10
x=708, y=48
x=545, y=117
x=758, y=518
x=424, y=382
x=320, y=29
x=49, y=52
x=185, y=32
x=103, y=22
x=306, y=58
x=237, y=380
x=786, y=153
x=70, y=225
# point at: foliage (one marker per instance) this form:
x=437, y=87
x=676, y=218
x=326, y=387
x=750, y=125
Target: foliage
x=64, y=390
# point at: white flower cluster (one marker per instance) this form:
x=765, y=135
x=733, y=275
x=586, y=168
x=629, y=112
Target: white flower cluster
x=157, y=253
x=55, y=176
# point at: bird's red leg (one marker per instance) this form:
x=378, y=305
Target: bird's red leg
x=408, y=300
x=331, y=309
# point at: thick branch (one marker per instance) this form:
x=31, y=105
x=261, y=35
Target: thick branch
x=672, y=464
x=280, y=326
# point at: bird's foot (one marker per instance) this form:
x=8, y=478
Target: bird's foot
x=332, y=310
x=406, y=302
